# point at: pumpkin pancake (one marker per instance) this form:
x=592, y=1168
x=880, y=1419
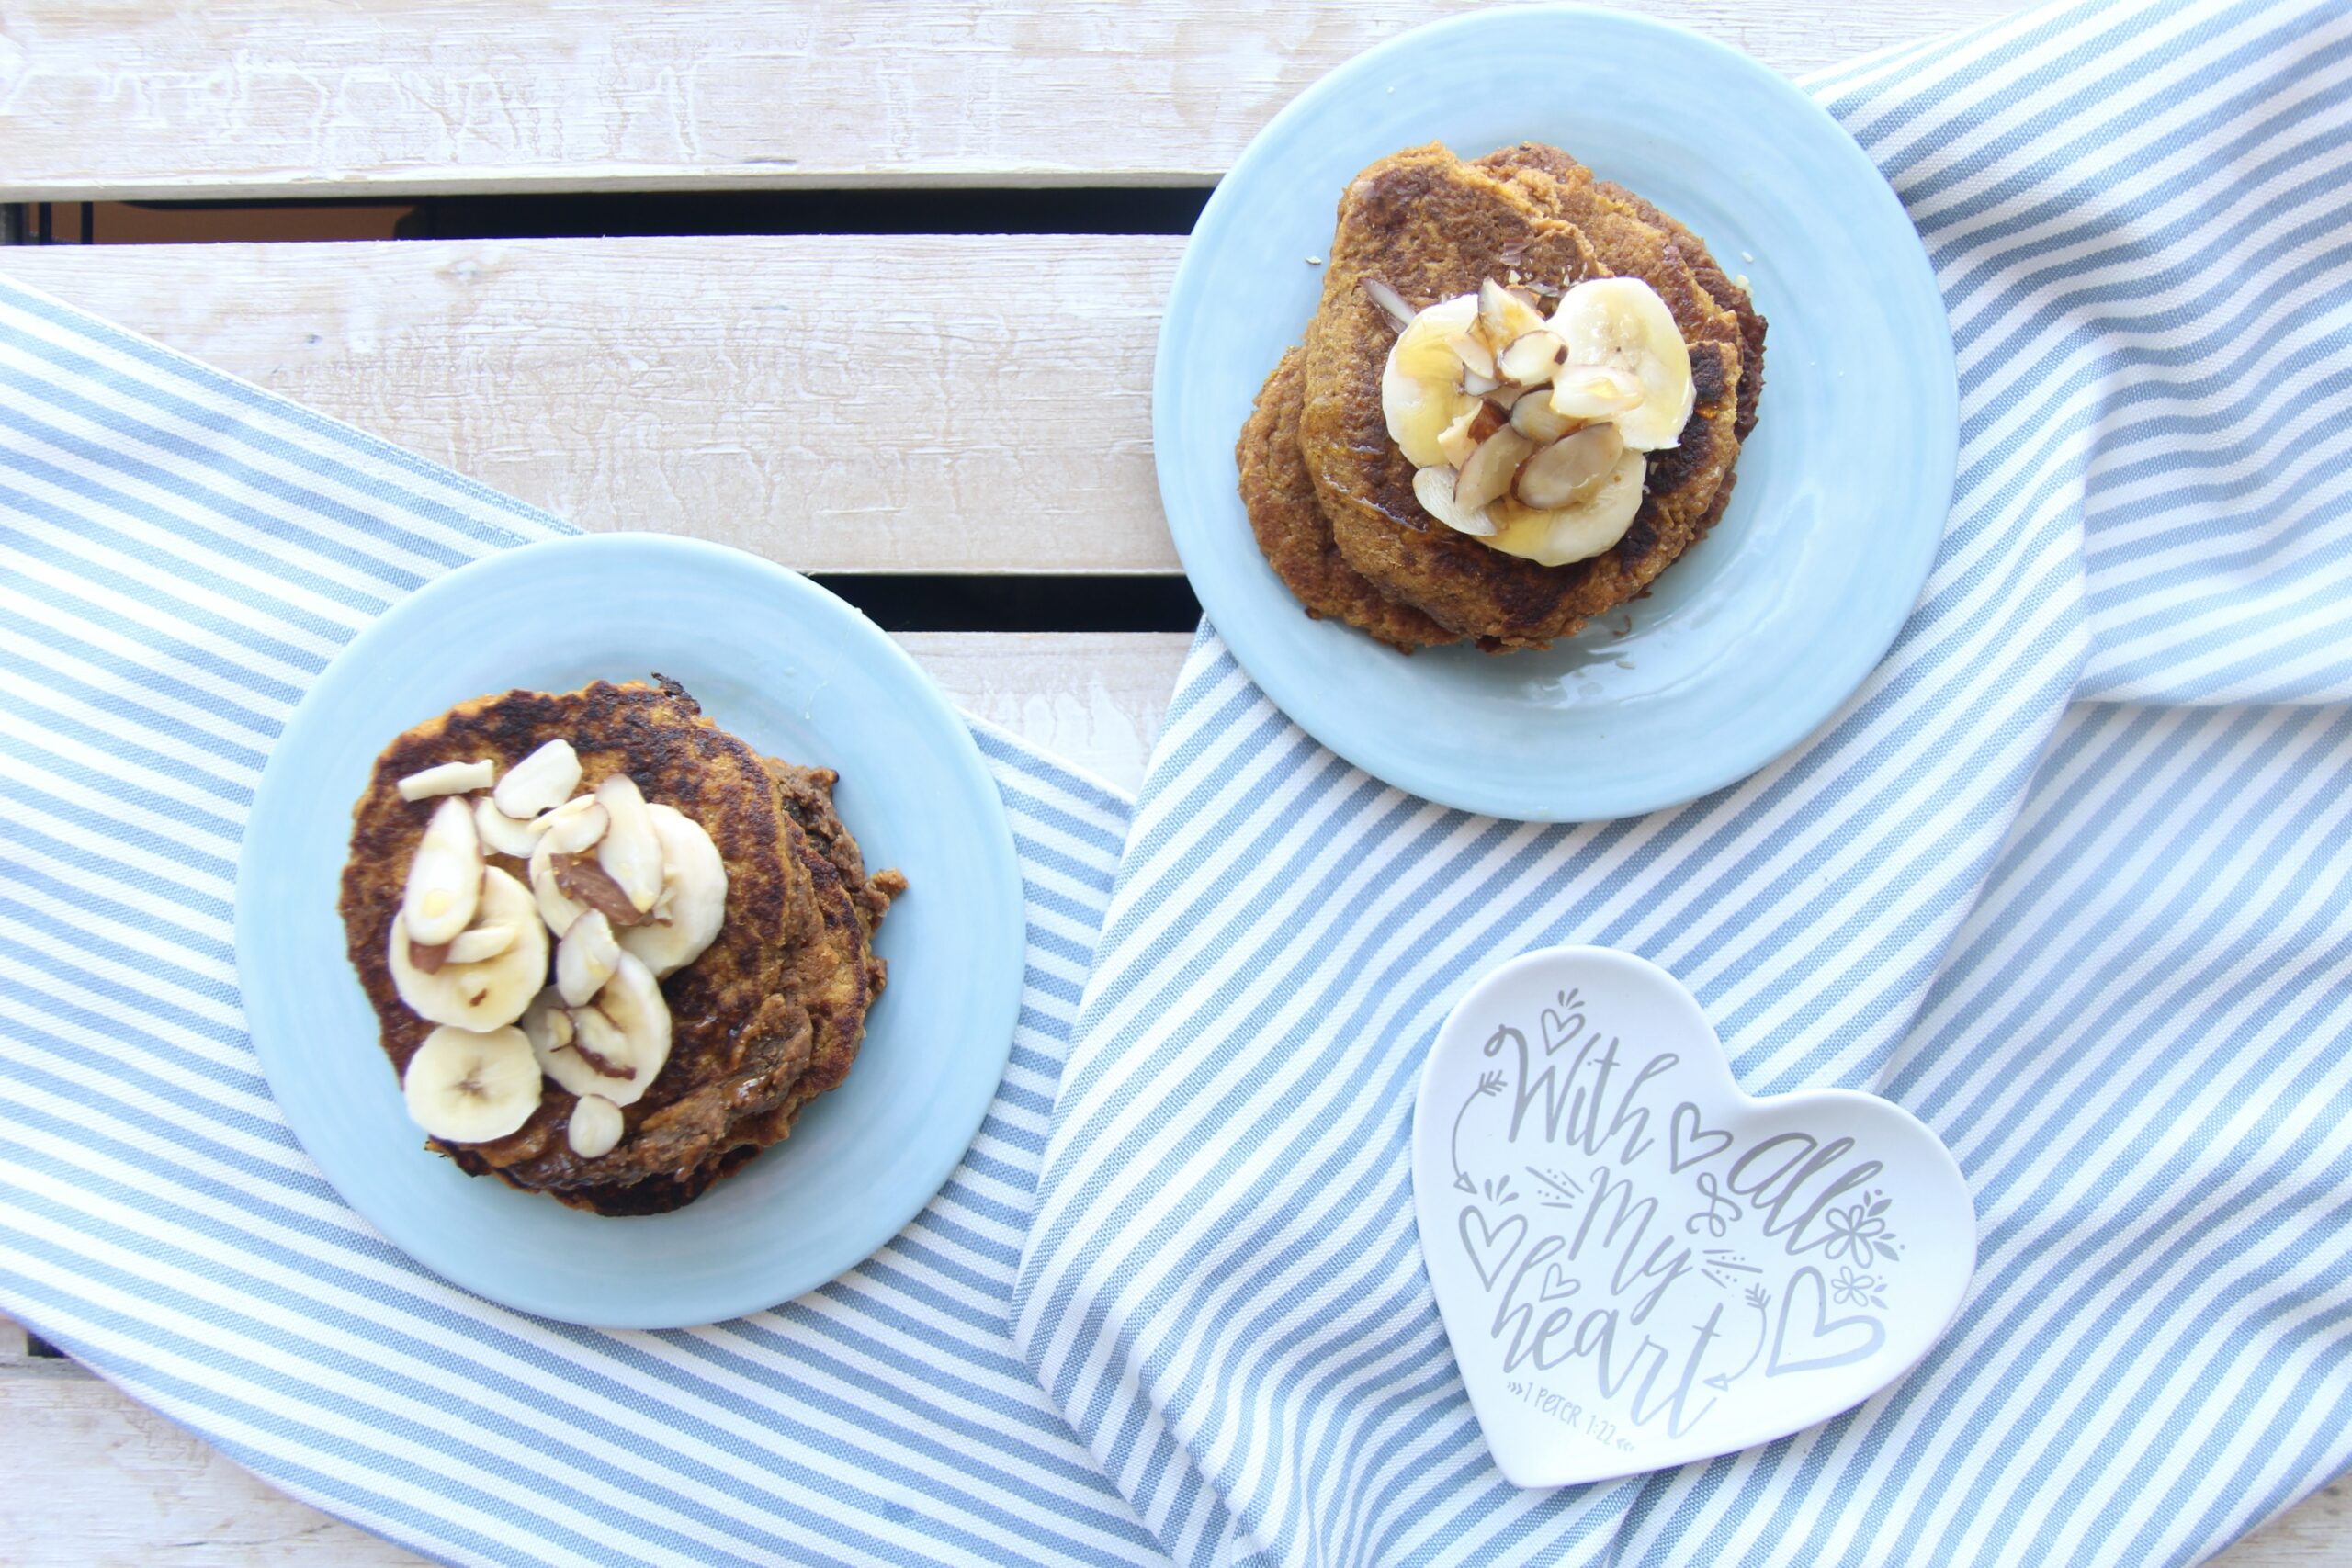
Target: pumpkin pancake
x=1295, y=536
x=769, y=1015
x=1432, y=226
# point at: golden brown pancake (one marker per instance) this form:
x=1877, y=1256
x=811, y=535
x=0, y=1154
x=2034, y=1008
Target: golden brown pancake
x=1293, y=534
x=1426, y=215
x=770, y=1015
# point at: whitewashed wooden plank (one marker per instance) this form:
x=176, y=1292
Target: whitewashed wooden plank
x=12, y=1345
x=839, y=403
x=324, y=98
x=90, y=1479
x=1094, y=700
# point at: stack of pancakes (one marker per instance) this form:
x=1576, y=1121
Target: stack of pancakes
x=769, y=1017
x=1330, y=495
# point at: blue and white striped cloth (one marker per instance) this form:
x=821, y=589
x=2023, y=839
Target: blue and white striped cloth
x=180, y=554
x=2071, y=877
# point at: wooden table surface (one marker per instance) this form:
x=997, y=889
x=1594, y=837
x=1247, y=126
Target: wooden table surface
x=842, y=403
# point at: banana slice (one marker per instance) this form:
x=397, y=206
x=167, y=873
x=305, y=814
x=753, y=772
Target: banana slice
x=500, y=834
x=1620, y=324
x=540, y=782
x=483, y=994
x=585, y=958
x=445, y=879
x=1578, y=532
x=693, y=896
x=1422, y=385
x=596, y=1126
x=630, y=852
x=469, y=1088
x=613, y=1047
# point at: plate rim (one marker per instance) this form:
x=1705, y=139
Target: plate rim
x=999, y=1011
x=1296, y=692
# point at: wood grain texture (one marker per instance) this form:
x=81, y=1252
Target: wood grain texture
x=838, y=403
x=127, y=98
x=89, y=1478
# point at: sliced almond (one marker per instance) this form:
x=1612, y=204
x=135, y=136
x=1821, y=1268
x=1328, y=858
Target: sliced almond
x=1434, y=489
x=1530, y=360
x=1477, y=385
x=479, y=942
x=1462, y=437
x=630, y=852
x=596, y=1126
x=540, y=782
x=480, y=993
x=500, y=834
x=585, y=958
x=1473, y=353
x=1533, y=417
x=572, y=826
x=1595, y=392
x=1392, y=304
x=1569, y=472
x=587, y=886
x=444, y=878
x=447, y=778
x=1504, y=316
x=1487, y=476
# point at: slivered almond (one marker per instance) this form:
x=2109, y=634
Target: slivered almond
x=1487, y=476
x=1531, y=359
x=1569, y=472
x=480, y=943
x=585, y=881
x=447, y=778
x=1392, y=304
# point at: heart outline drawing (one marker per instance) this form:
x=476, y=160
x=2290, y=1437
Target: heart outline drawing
x=1699, y=1132
x=1822, y=1328
x=1616, y=1332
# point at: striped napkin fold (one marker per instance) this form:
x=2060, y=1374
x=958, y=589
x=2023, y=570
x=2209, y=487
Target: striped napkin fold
x=2067, y=878
x=180, y=555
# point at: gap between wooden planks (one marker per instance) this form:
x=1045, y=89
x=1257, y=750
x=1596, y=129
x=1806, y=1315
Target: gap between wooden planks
x=95, y=1479
x=322, y=97
x=964, y=404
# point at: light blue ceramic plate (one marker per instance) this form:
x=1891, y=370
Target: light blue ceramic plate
x=1754, y=638
x=795, y=672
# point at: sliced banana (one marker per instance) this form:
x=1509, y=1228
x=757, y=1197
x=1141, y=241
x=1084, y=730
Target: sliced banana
x=486, y=993
x=693, y=896
x=447, y=778
x=1592, y=391
x=585, y=958
x=540, y=782
x=1422, y=384
x=619, y=1042
x=631, y=851
x=465, y=1087
x=596, y=1126
x=445, y=879
x=1620, y=323
x=1434, y=489
x=1556, y=538
x=500, y=834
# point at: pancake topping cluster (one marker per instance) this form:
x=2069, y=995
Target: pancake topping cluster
x=613, y=950
x=1519, y=401
x=630, y=890
x=1527, y=432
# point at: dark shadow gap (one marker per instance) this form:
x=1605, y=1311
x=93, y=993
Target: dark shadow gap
x=908, y=603
x=1107, y=210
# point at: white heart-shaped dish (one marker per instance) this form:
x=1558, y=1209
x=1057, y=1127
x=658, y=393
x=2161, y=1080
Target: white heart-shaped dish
x=1638, y=1264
